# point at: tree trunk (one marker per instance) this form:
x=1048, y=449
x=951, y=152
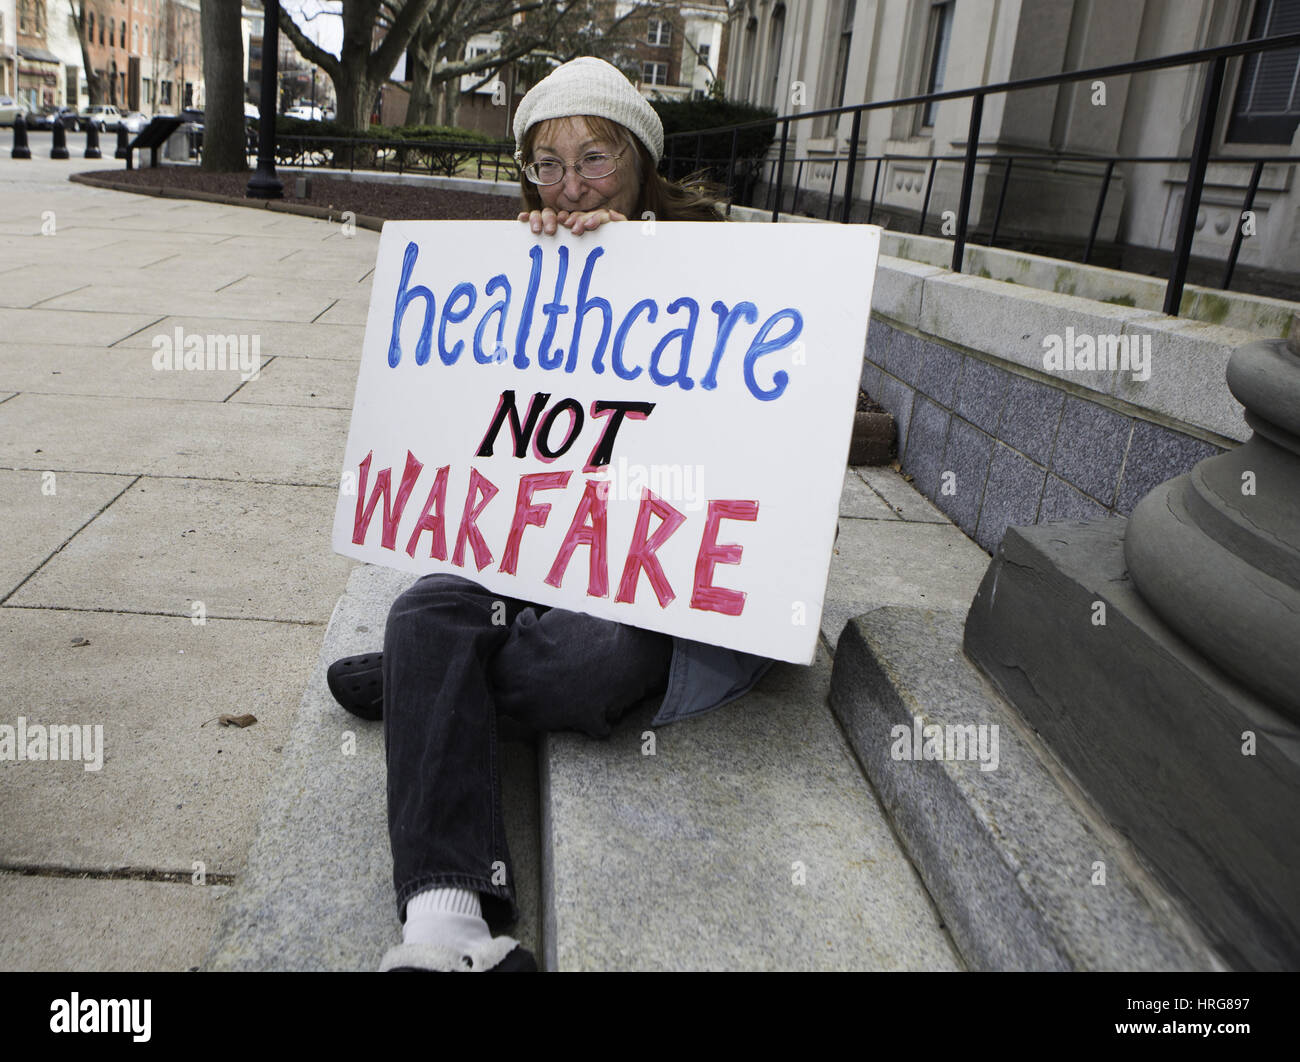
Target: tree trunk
x=94, y=83
x=451, y=101
x=224, y=141
x=417, y=111
x=355, y=96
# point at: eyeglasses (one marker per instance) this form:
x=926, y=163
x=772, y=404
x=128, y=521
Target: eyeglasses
x=589, y=168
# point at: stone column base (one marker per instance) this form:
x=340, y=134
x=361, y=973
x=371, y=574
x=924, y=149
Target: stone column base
x=1202, y=776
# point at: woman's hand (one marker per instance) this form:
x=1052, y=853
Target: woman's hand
x=548, y=220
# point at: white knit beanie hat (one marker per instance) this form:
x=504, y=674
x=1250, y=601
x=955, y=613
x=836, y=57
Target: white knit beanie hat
x=588, y=85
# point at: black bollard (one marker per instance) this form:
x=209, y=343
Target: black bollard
x=123, y=152
x=21, y=150
x=60, y=148
x=92, y=142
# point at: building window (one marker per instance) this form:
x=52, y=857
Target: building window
x=135, y=37
x=654, y=73
x=660, y=32
x=101, y=31
x=775, y=41
x=1267, y=108
x=751, y=47
x=702, y=52
x=112, y=32
x=937, y=41
x=90, y=21
x=840, y=71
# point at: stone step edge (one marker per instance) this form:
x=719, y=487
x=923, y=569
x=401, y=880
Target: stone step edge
x=1008, y=913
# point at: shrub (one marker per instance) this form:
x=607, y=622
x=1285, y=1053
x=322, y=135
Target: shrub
x=428, y=149
x=683, y=116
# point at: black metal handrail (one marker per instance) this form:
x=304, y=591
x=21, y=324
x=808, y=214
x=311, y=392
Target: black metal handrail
x=1256, y=162
x=1211, y=93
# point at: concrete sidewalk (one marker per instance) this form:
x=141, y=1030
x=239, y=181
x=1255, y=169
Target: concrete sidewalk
x=167, y=556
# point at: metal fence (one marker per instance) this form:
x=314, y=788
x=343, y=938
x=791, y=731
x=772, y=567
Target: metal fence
x=444, y=158
x=679, y=147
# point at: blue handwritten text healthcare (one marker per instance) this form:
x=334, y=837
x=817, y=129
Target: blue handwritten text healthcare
x=670, y=362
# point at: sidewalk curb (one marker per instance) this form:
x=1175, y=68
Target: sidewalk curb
x=364, y=221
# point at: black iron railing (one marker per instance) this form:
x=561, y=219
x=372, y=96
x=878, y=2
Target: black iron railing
x=435, y=157
x=680, y=145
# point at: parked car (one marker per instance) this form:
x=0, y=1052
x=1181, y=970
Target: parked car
x=9, y=107
x=103, y=116
x=306, y=113
x=51, y=113
x=135, y=121
x=194, y=120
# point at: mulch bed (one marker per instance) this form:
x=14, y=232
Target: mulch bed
x=396, y=202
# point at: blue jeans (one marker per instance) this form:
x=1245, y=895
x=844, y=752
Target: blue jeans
x=456, y=656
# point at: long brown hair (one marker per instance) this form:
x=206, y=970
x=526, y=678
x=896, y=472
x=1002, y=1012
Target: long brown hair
x=691, y=200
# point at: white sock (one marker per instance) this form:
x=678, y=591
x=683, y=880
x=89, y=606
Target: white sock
x=452, y=918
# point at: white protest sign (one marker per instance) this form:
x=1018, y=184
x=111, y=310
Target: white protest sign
x=644, y=423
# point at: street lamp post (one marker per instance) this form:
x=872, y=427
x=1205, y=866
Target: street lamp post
x=264, y=184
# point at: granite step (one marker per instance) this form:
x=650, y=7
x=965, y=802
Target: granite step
x=1026, y=873
x=748, y=840
x=317, y=892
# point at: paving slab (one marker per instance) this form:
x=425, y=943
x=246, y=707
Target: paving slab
x=242, y=550
x=908, y=502
x=155, y=436
x=98, y=298
x=43, y=509
x=42, y=282
x=749, y=840
x=325, y=821
x=275, y=339
x=859, y=501
x=303, y=381
x=880, y=562
x=151, y=682
x=30, y=287
x=1025, y=872
x=127, y=372
x=62, y=924
x=349, y=311
x=71, y=327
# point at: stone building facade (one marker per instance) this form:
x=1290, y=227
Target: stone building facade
x=803, y=55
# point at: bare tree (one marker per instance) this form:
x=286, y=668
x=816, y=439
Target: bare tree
x=544, y=32
x=224, y=143
x=84, y=13
x=160, y=33
x=362, y=67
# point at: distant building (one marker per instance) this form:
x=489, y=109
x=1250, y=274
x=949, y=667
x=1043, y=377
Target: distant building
x=41, y=79
x=810, y=54
x=680, y=48
x=8, y=47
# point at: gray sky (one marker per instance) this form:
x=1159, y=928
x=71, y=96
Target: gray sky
x=319, y=20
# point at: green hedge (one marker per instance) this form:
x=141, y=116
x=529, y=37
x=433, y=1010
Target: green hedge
x=300, y=127
x=425, y=149
x=682, y=116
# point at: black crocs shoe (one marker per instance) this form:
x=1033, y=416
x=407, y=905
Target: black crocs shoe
x=357, y=683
